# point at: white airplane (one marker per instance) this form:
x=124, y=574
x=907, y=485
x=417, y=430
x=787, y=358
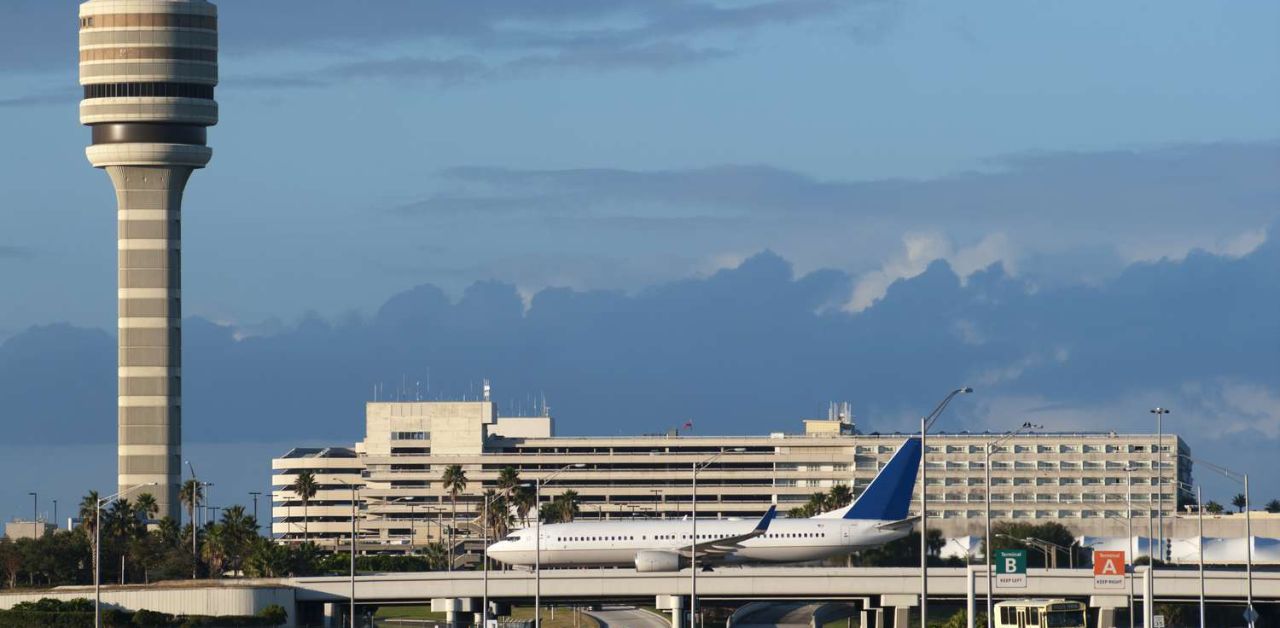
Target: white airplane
x=878, y=516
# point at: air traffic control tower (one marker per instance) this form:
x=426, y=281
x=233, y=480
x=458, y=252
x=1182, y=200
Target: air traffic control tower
x=148, y=68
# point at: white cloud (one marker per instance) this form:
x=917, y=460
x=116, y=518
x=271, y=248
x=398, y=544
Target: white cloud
x=921, y=249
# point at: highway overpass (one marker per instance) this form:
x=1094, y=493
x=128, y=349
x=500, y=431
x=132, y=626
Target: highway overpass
x=893, y=590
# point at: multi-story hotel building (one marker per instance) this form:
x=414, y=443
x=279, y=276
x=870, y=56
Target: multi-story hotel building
x=1078, y=479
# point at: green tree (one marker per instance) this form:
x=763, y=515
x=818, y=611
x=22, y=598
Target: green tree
x=1239, y=502
x=1017, y=535
x=10, y=561
x=1213, y=508
x=508, y=480
x=214, y=549
x=566, y=506
x=168, y=532
x=454, y=481
x=523, y=501
x=1273, y=506
x=267, y=559
x=146, y=506
x=903, y=552
x=499, y=521
x=191, y=494
x=839, y=496
x=89, y=512
x=305, y=487
x=238, y=531
x=436, y=556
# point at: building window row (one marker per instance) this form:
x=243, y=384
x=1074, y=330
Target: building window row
x=149, y=52
x=148, y=90
x=411, y=436
x=154, y=20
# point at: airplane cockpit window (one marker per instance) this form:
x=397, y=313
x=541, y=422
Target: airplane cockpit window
x=512, y=538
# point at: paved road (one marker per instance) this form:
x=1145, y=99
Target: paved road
x=780, y=615
x=627, y=617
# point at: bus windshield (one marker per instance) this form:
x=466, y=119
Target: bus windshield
x=1064, y=619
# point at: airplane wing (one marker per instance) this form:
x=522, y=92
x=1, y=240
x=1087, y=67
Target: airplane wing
x=719, y=548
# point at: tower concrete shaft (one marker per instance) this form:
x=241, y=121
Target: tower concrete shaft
x=148, y=68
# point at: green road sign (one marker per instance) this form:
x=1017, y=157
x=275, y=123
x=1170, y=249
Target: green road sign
x=1010, y=569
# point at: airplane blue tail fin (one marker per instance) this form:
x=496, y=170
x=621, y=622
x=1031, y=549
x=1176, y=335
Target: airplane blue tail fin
x=889, y=495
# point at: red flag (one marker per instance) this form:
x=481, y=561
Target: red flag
x=688, y=425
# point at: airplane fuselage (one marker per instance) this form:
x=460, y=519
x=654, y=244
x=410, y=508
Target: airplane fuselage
x=617, y=543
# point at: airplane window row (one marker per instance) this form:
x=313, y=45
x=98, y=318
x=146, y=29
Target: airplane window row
x=673, y=537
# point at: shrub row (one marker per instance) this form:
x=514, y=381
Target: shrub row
x=78, y=613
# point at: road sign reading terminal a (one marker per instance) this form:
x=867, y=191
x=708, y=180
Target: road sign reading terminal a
x=1010, y=568
x=1108, y=570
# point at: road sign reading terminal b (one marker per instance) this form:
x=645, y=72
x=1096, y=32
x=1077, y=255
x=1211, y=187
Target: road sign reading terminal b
x=1108, y=570
x=1010, y=569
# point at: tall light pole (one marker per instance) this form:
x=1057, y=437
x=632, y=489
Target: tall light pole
x=1248, y=528
x=35, y=508
x=352, y=597
x=693, y=548
x=97, y=548
x=484, y=557
x=537, y=541
x=925, y=423
x=1199, y=542
x=56, y=525
x=1128, y=512
x=257, y=526
x=195, y=507
x=986, y=466
x=1160, y=412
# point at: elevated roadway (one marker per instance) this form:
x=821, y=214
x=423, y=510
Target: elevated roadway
x=764, y=583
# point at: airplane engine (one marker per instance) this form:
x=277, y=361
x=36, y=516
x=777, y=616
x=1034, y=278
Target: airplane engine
x=653, y=560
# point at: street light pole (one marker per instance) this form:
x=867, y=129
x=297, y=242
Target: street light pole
x=693, y=547
x=256, y=524
x=986, y=466
x=925, y=423
x=35, y=508
x=1160, y=412
x=1128, y=511
x=484, y=556
x=97, y=548
x=537, y=541
x=1248, y=529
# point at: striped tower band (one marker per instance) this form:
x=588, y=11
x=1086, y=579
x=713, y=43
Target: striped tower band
x=148, y=68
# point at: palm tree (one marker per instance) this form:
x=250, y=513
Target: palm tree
x=1239, y=502
x=238, y=532
x=523, y=501
x=1213, y=508
x=191, y=494
x=146, y=506
x=508, y=480
x=566, y=506
x=1273, y=506
x=89, y=513
x=436, y=555
x=122, y=524
x=454, y=481
x=839, y=496
x=214, y=548
x=89, y=519
x=168, y=532
x=305, y=487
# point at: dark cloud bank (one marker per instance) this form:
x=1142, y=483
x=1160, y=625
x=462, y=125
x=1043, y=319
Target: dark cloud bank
x=747, y=350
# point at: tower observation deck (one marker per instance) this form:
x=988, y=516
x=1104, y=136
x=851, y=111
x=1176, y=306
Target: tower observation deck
x=148, y=68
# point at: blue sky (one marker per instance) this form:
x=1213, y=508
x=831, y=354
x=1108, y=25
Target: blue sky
x=633, y=147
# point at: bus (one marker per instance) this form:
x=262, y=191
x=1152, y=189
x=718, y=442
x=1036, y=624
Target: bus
x=1040, y=614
